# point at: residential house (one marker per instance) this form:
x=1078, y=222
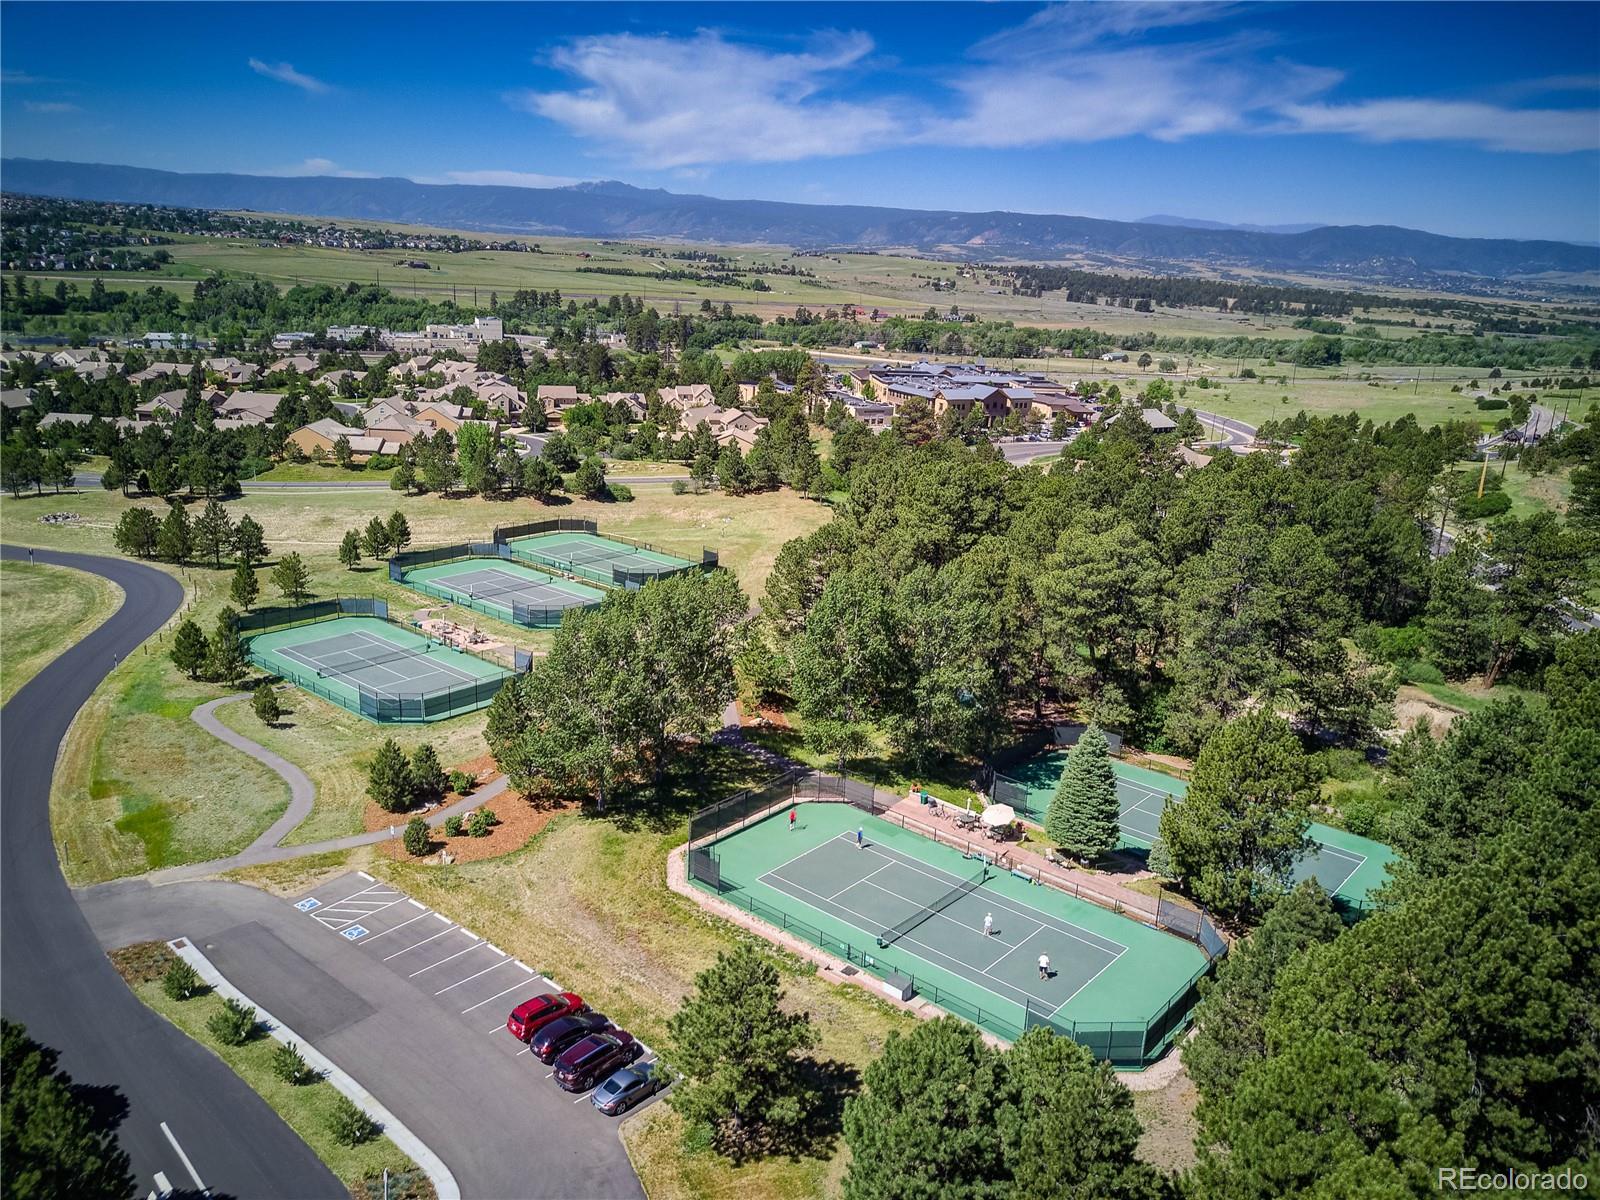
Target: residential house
x=162, y=370
x=633, y=401
x=687, y=396
x=16, y=398
x=325, y=434
x=252, y=408
x=871, y=413
x=289, y=341
x=302, y=364
x=727, y=425
x=558, y=397
x=232, y=370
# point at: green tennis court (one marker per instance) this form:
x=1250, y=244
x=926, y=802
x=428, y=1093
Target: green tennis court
x=594, y=553
x=378, y=669
x=1347, y=866
x=507, y=590
x=899, y=904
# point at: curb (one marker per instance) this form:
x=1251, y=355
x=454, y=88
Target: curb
x=444, y=1183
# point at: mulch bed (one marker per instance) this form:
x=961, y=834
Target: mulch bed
x=142, y=962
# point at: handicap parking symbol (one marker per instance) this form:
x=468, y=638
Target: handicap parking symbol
x=353, y=932
x=308, y=904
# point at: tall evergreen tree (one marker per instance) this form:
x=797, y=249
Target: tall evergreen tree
x=741, y=1054
x=389, y=778
x=249, y=541
x=244, y=587
x=292, y=578
x=189, y=648
x=213, y=532
x=175, y=542
x=350, y=550
x=1083, y=814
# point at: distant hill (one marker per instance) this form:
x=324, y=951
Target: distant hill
x=617, y=210
x=1201, y=223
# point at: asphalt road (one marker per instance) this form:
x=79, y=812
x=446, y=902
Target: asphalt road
x=55, y=978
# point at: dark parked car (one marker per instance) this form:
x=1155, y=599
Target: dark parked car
x=627, y=1087
x=530, y=1016
x=555, y=1037
x=595, y=1057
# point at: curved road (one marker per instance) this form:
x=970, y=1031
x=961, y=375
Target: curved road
x=57, y=980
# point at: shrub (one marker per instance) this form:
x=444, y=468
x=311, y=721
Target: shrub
x=416, y=837
x=679, y=487
x=181, y=980
x=620, y=492
x=1491, y=402
x=1419, y=672
x=461, y=783
x=1392, y=644
x=233, y=1024
x=481, y=822
x=349, y=1125
x=1490, y=504
x=289, y=1065
x=452, y=826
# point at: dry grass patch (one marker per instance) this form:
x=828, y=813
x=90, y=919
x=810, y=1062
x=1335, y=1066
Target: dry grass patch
x=43, y=611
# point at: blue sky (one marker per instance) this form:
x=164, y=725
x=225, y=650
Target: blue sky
x=1469, y=119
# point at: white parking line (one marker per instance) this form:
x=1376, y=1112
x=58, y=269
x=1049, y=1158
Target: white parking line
x=414, y=945
x=163, y=1186
x=515, y=987
x=402, y=925
x=527, y=968
x=416, y=903
x=364, y=875
x=444, y=918
x=470, y=978
x=353, y=895
x=448, y=957
x=187, y=1165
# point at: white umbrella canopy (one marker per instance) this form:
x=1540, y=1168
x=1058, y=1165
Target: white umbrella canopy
x=997, y=815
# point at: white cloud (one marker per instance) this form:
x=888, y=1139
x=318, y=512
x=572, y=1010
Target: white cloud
x=1070, y=73
x=50, y=106
x=319, y=166
x=1528, y=130
x=527, y=179
x=18, y=78
x=285, y=73
x=685, y=102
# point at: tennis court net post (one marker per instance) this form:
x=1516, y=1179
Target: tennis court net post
x=893, y=934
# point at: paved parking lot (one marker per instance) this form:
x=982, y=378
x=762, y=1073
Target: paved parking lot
x=471, y=980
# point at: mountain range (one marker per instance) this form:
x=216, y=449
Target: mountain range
x=617, y=210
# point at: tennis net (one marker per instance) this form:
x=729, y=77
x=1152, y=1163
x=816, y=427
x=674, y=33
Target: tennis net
x=326, y=669
x=892, y=935
x=489, y=592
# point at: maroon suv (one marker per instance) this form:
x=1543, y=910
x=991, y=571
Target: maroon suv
x=595, y=1057
x=530, y=1016
x=547, y=1045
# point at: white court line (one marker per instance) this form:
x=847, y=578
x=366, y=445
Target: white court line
x=470, y=978
x=887, y=864
x=447, y=958
x=911, y=941
x=939, y=916
x=1020, y=941
x=1081, y=986
x=392, y=928
x=187, y=1165
x=423, y=942
x=1028, y=911
x=515, y=987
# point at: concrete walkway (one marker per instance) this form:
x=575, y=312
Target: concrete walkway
x=302, y=797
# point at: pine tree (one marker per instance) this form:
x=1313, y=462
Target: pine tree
x=1082, y=817
x=265, y=703
x=428, y=780
x=225, y=657
x=350, y=550
x=245, y=586
x=1159, y=860
x=389, y=778
x=399, y=530
x=291, y=578
x=189, y=649
x=175, y=542
x=213, y=532
x=740, y=1052
x=249, y=541
x=376, y=538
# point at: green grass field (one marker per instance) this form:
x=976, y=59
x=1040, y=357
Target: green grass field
x=43, y=611
x=141, y=785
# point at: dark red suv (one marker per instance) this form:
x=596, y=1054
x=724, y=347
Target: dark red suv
x=599, y=1054
x=548, y=1044
x=530, y=1016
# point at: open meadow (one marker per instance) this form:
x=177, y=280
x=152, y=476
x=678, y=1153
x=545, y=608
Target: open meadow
x=141, y=786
